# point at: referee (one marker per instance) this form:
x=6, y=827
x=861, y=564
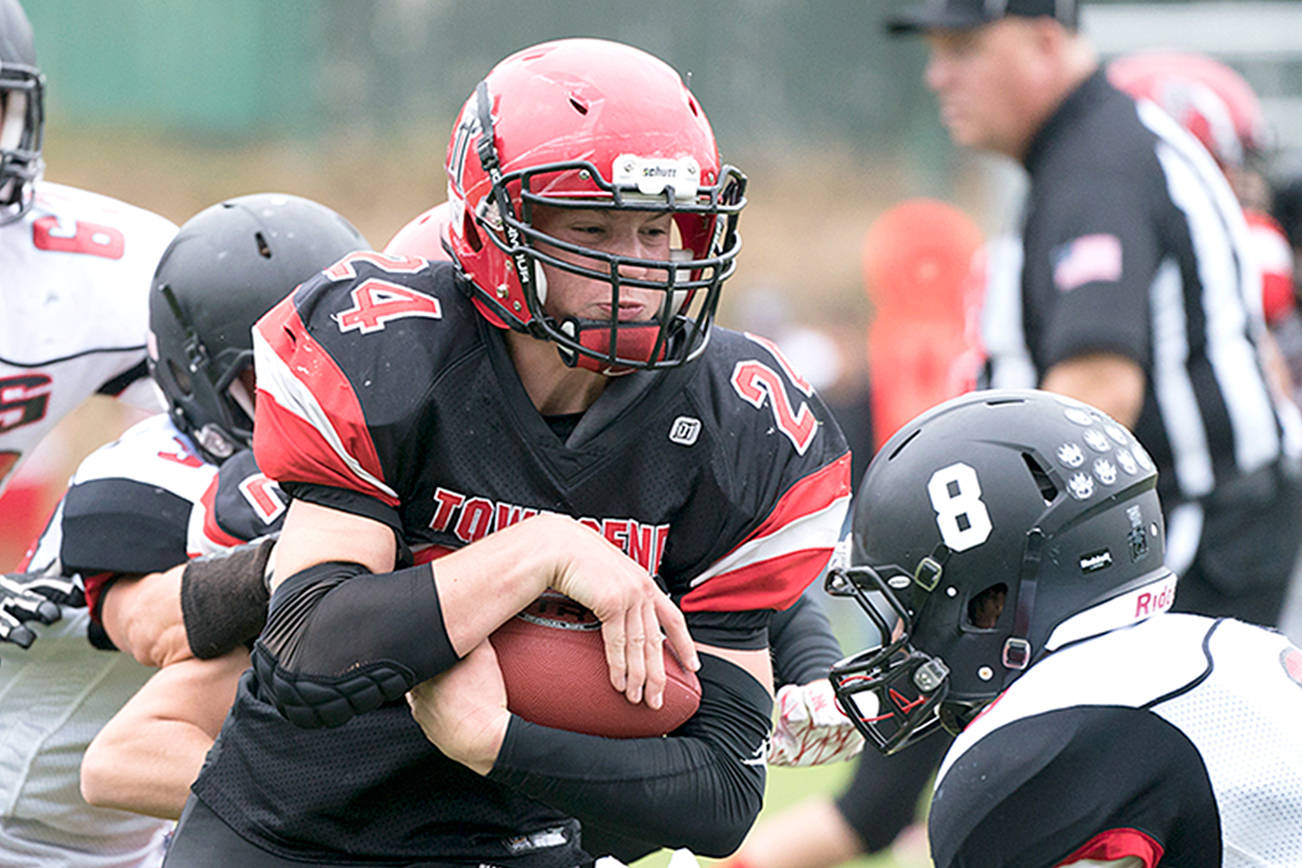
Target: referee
x=1130, y=288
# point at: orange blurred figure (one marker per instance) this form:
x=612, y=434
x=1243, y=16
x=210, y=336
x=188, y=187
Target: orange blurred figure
x=918, y=271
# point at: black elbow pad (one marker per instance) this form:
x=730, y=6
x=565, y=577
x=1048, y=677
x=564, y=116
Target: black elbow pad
x=340, y=642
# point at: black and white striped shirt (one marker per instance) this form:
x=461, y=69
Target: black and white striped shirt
x=1133, y=243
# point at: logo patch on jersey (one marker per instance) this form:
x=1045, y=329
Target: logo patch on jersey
x=1291, y=659
x=1095, y=561
x=1087, y=259
x=685, y=430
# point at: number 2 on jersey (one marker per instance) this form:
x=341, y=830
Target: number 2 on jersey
x=961, y=515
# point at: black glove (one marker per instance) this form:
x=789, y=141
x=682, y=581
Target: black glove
x=28, y=597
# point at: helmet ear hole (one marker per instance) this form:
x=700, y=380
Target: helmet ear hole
x=471, y=232
x=181, y=377
x=984, y=609
x=1048, y=490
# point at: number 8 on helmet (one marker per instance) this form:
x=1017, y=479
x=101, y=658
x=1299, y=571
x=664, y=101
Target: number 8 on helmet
x=989, y=531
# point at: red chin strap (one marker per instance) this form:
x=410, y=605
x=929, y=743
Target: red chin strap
x=634, y=340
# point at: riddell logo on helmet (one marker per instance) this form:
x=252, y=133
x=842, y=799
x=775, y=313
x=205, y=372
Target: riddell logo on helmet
x=1095, y=561
x=1155, y=601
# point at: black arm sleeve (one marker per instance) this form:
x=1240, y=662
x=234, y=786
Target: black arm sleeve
x=804, y=647
x=341, y=641
x=701, y=787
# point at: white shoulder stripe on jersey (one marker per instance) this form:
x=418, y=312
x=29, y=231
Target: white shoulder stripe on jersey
x=819, y=529
x=276, y=379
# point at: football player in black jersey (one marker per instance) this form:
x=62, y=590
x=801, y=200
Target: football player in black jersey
x=174, y=486
x=553, y=409
x=1014, y=542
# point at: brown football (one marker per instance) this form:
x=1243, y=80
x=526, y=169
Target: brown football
x=554, y=664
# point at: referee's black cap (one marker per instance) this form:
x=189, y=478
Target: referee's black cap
x=967, y=14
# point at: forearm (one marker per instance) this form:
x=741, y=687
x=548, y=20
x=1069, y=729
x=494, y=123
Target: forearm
x=148, y=754
x=341, y=641
x=699, y=788
x=202, y=608
x=804, y=647
x=142, y=616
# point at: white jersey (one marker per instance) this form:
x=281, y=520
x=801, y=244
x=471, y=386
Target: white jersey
x=1177, y=739
x=139, y=504
x=77, y=269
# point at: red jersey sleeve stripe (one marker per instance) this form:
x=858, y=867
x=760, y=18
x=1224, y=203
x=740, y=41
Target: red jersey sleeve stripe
x=1116, y=844
x=771, y=584
x=309, y=425
x=828, y=484
x=786, y=552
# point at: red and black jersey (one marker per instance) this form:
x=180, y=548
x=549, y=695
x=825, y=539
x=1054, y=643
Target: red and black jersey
x=1174, y=741
x=382, y=392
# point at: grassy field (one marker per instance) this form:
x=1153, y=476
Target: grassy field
x=789, y=786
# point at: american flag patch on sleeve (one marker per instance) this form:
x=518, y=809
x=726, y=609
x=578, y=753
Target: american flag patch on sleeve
x=1087, y=259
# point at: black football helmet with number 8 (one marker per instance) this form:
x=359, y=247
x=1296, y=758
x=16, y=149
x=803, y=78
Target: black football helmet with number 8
x=989, y=531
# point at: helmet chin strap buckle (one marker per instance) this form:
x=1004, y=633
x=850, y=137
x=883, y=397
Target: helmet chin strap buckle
x=211, y=438
x=1017, y=653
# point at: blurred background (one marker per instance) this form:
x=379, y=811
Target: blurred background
x=175, y=104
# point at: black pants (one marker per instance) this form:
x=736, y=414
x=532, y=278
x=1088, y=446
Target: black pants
x=1246, y=556
x=882, y=798
x=203, y=840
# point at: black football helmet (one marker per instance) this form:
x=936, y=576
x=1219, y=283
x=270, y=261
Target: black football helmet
x=989, y=531
x=22, y=112
x=226, y=267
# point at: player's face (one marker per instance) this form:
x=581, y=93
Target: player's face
x=981, y=77
x=626, y=233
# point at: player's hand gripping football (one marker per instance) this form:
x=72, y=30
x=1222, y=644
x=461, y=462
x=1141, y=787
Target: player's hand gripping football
x=632, y=610
x=811, y=729
x=27, y=598
x=463, y=711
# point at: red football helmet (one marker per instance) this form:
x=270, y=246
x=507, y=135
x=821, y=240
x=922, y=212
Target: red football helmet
x=1210, y=100
x=587, y=123
x=425, y=236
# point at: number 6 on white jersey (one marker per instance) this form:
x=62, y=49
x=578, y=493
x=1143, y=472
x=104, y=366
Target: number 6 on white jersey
x=961, y=516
